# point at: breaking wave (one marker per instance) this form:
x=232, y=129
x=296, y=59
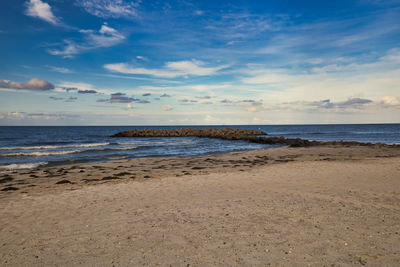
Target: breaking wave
x=53, y=147
x=40, y=154
x=22, y=166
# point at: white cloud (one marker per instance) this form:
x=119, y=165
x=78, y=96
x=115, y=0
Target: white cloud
x=105, y=37
x=194, y=67
x=79, y=86
x=389, y=101
x=171, y=69
x=70, y=49
x=142, y=58
x=270, y=76
x=108, y=37
x=42, y=10
x=59, y=69
x=374, y=80
x=110, y=8
x=32, y=84
x=167, y=107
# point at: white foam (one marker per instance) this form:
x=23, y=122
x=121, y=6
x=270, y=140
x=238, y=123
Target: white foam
x=40, y=154
x=53, y=147
x=21, y=166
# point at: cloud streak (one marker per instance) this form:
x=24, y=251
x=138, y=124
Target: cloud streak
x=110, y=8
x=16, y=115
x=60, y=69
x=170, y=70
x=105, y=37
x=351, y=105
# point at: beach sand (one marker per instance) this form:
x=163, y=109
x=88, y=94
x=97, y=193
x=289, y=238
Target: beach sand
x=318, y=206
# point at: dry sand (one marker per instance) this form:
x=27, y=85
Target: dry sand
x=332, y=206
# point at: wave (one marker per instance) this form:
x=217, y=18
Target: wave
x=155, y=143
x=53, y=147
x=112, y=149
x=40, y=154
x=22, y=166
x=90, y=145
x=54, y=153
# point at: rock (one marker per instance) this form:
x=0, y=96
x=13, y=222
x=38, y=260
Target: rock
x=226, y=133
x=10, y=188
x=6, y=179
x=253, y=136
x=64, y=182
x=122, y=174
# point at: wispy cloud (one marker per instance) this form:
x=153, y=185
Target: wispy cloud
x=171, y=69
x=341, y=36
x=110, y=8
x=351, y=105
x=59, y=69
x=32, y=84
x=42, y=10
x=73, y=86
x=236, y=26
x=105, y=37
x=17, y=115
x=142, y=58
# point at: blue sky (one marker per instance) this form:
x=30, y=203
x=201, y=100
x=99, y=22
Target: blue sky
x=102, y=62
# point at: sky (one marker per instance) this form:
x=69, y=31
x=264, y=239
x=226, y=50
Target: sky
x=103, y=62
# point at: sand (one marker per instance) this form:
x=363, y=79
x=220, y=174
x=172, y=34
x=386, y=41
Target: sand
x=320, y=206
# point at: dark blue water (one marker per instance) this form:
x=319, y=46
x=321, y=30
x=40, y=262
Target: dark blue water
x=31, y=146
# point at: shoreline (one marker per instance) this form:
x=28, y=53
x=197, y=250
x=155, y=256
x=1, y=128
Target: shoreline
x=16, y=157
x=75, y=176
x=41, y=165
x=282, y=206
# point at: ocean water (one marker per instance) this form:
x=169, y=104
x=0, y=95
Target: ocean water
x=31, y=146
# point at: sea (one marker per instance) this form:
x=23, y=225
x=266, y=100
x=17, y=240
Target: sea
x=25, y=147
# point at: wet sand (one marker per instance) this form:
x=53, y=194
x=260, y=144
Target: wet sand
x=315, y=206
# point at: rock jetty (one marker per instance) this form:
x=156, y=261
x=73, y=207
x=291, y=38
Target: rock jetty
x=254, y=136
x=224, y=133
